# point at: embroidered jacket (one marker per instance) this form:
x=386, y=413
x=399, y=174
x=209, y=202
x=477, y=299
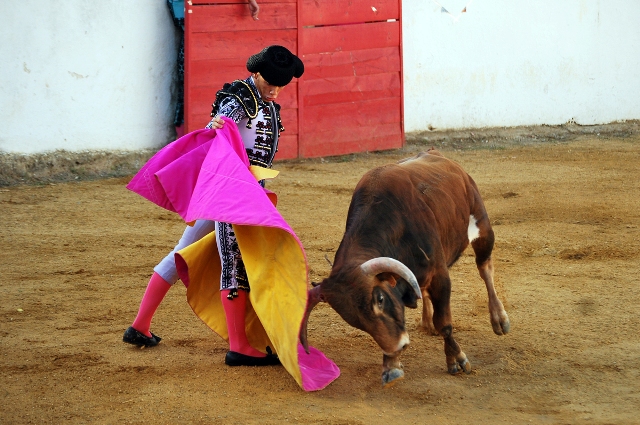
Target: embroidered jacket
x=258, y=121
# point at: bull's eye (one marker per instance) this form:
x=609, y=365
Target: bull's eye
x=378, y=301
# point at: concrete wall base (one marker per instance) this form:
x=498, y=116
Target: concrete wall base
x=62, y=166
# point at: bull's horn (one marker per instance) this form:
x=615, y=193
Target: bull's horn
x=387, y=264
x=314, y=297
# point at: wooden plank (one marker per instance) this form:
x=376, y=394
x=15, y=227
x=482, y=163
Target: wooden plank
x=289, y=117
x=346, y=97
x=201, y=112
x=351, y=93
x=214, y=72
x=205, y=95
x=345, y=134
x=200, y=117
x=236, y=17
x=358, y=114
x=326, y=145
x=229, y=47
x=202, y=107
x=188, y=125
x=401, y=77
x=333, y=12
x=196, y=120
x=373, y=132
x=287, y=147
x=213, y=2
x=342, y=128
x=351, y=63
x=351, y=89
x=301, y=81
x=352, y=133
x=238, y=44
x=350, y=37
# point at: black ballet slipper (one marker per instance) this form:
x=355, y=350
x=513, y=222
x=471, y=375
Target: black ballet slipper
x=132, y=336
x=234, y=358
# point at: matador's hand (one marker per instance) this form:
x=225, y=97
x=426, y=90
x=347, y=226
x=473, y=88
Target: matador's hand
x=217, y=123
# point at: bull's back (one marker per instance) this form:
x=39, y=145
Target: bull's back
x=436, y=180
x=451, y=196
x=439, y=179
x=433, y=167
x=423, y=204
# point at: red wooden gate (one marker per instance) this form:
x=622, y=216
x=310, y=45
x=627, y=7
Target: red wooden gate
x=350, y=96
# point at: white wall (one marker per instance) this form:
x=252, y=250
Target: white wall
x=85, y=74
x=96, y=75
x=520, y=62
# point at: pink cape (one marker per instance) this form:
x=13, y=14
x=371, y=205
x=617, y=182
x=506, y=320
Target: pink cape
x=205, y=175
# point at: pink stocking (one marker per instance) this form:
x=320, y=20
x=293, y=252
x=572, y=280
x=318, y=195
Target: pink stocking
x=153, y=296
x=234, y=310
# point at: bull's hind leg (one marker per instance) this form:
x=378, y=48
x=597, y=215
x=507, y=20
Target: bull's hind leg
x=483, y=246
x=440, y=293
x=427, y=314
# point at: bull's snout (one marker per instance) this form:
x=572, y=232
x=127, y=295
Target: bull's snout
x=392, y=370
x=403, y=343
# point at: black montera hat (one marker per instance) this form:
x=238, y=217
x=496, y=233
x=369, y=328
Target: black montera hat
x=277, y=65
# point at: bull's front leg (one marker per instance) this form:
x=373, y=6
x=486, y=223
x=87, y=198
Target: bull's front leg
x=392, y=370
x=440, y=292
x=456, y=359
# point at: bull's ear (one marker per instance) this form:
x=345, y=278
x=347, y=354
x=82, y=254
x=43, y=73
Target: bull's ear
x=389, y=277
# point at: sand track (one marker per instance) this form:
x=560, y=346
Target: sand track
x=77, y=256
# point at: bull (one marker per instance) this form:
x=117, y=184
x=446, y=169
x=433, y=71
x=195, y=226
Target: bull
x=406, y=225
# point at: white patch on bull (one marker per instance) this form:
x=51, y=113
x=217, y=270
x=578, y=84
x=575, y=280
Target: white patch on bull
x=402, y=344
x=473, y=231
x=404, y=341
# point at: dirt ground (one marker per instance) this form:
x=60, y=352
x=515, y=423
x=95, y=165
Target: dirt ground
x=77, y=257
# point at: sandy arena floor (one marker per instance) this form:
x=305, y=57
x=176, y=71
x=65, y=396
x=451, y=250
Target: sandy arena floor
x=78, y=256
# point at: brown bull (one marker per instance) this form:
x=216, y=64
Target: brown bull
x=407, y=224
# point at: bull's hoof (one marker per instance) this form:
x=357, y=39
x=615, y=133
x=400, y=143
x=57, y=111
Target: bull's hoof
x=459, y=366
x=501, y=324
x=391, y=376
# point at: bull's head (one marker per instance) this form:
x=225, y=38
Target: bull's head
x=369, y=298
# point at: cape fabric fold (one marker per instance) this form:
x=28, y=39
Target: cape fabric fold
x=205, y=175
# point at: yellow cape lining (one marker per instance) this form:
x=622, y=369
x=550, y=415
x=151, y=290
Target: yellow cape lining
x=277, y=272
